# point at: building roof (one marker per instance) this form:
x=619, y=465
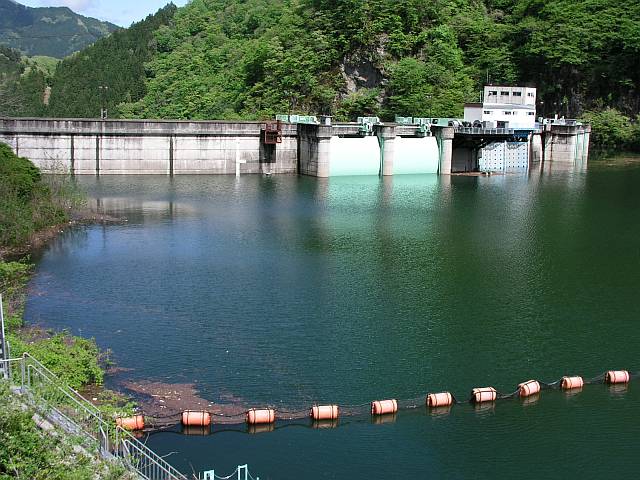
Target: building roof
x=511, y=106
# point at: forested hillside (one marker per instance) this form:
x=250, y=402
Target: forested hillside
x=226, y=59
x=229, y=59
x=116, y=62
x=50, y=31
x=22, y=83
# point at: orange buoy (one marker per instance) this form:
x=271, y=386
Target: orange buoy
x=131, y=423
x=484, y=394
x=569, y=383
x=195, y=418
x=265, y=415
x=324, y=412
x=528, y=388
x=617, y=376
x=443, y=399
x=382, y=407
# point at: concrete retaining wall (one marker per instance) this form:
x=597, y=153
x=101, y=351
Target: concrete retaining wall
x=149, y=147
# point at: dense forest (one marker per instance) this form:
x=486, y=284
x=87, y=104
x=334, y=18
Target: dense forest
x=224, y=58
x=22, y=83
x=230, y=59
x=116, y=62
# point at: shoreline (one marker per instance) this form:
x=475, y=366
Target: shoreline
x=153, y=398
x=40, y=239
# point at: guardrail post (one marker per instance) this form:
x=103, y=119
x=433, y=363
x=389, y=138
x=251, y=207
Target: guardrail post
x=245, y=469
x=23, y=362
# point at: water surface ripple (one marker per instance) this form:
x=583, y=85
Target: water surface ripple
x=286, y=291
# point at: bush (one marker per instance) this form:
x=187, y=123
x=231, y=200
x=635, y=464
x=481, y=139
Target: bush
x=29, y=201
x=13, y=278
x=18, y=174
x=27, y=452
x=610, y=129
x=74, y=359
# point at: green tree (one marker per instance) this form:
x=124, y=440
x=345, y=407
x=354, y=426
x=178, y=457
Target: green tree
x=611, y=129
x=117, y=62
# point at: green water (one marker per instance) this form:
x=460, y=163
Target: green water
x=288, y=291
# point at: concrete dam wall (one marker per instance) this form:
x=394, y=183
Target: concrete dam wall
x=149, y=147
x=165, y=147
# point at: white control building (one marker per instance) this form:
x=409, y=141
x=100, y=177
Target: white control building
x=504, y=107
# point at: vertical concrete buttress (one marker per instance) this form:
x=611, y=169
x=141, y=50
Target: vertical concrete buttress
x=387, y=135
x=587, y=139
x=97, y=168
x=535, y=155
x=72, y=155
x=445, y=142
x=324, y=150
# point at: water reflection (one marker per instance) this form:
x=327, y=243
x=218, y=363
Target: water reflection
x=530, y=400
x=256, y=429
x=286, y=289
x=439, y=411
x=384, y=419
x=321, y=424
x=195, y=430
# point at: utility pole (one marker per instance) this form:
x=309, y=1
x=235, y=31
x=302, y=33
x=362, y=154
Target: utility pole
x=104, y=90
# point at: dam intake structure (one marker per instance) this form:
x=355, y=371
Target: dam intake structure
x=316, y=148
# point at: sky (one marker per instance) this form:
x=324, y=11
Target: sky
x=120, y=12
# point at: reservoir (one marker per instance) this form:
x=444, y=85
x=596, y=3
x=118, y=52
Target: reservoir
x=288, y=290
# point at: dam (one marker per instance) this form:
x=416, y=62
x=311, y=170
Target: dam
x=320, y=149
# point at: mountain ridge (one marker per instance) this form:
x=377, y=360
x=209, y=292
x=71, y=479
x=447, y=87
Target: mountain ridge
x=50, y=31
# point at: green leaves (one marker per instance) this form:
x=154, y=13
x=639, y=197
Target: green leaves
x=28, y=453
x=229, y=59
x=613, y=130
x=435, y=85
x=26, y=201
x=73, y=359
x=117, y=62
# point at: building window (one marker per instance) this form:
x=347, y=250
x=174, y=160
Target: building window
x=507, y=113
x=517, y=94
x=493, y=93
x=504, y=94
x=487, y=112
x=531, y=113
x=530, y=94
